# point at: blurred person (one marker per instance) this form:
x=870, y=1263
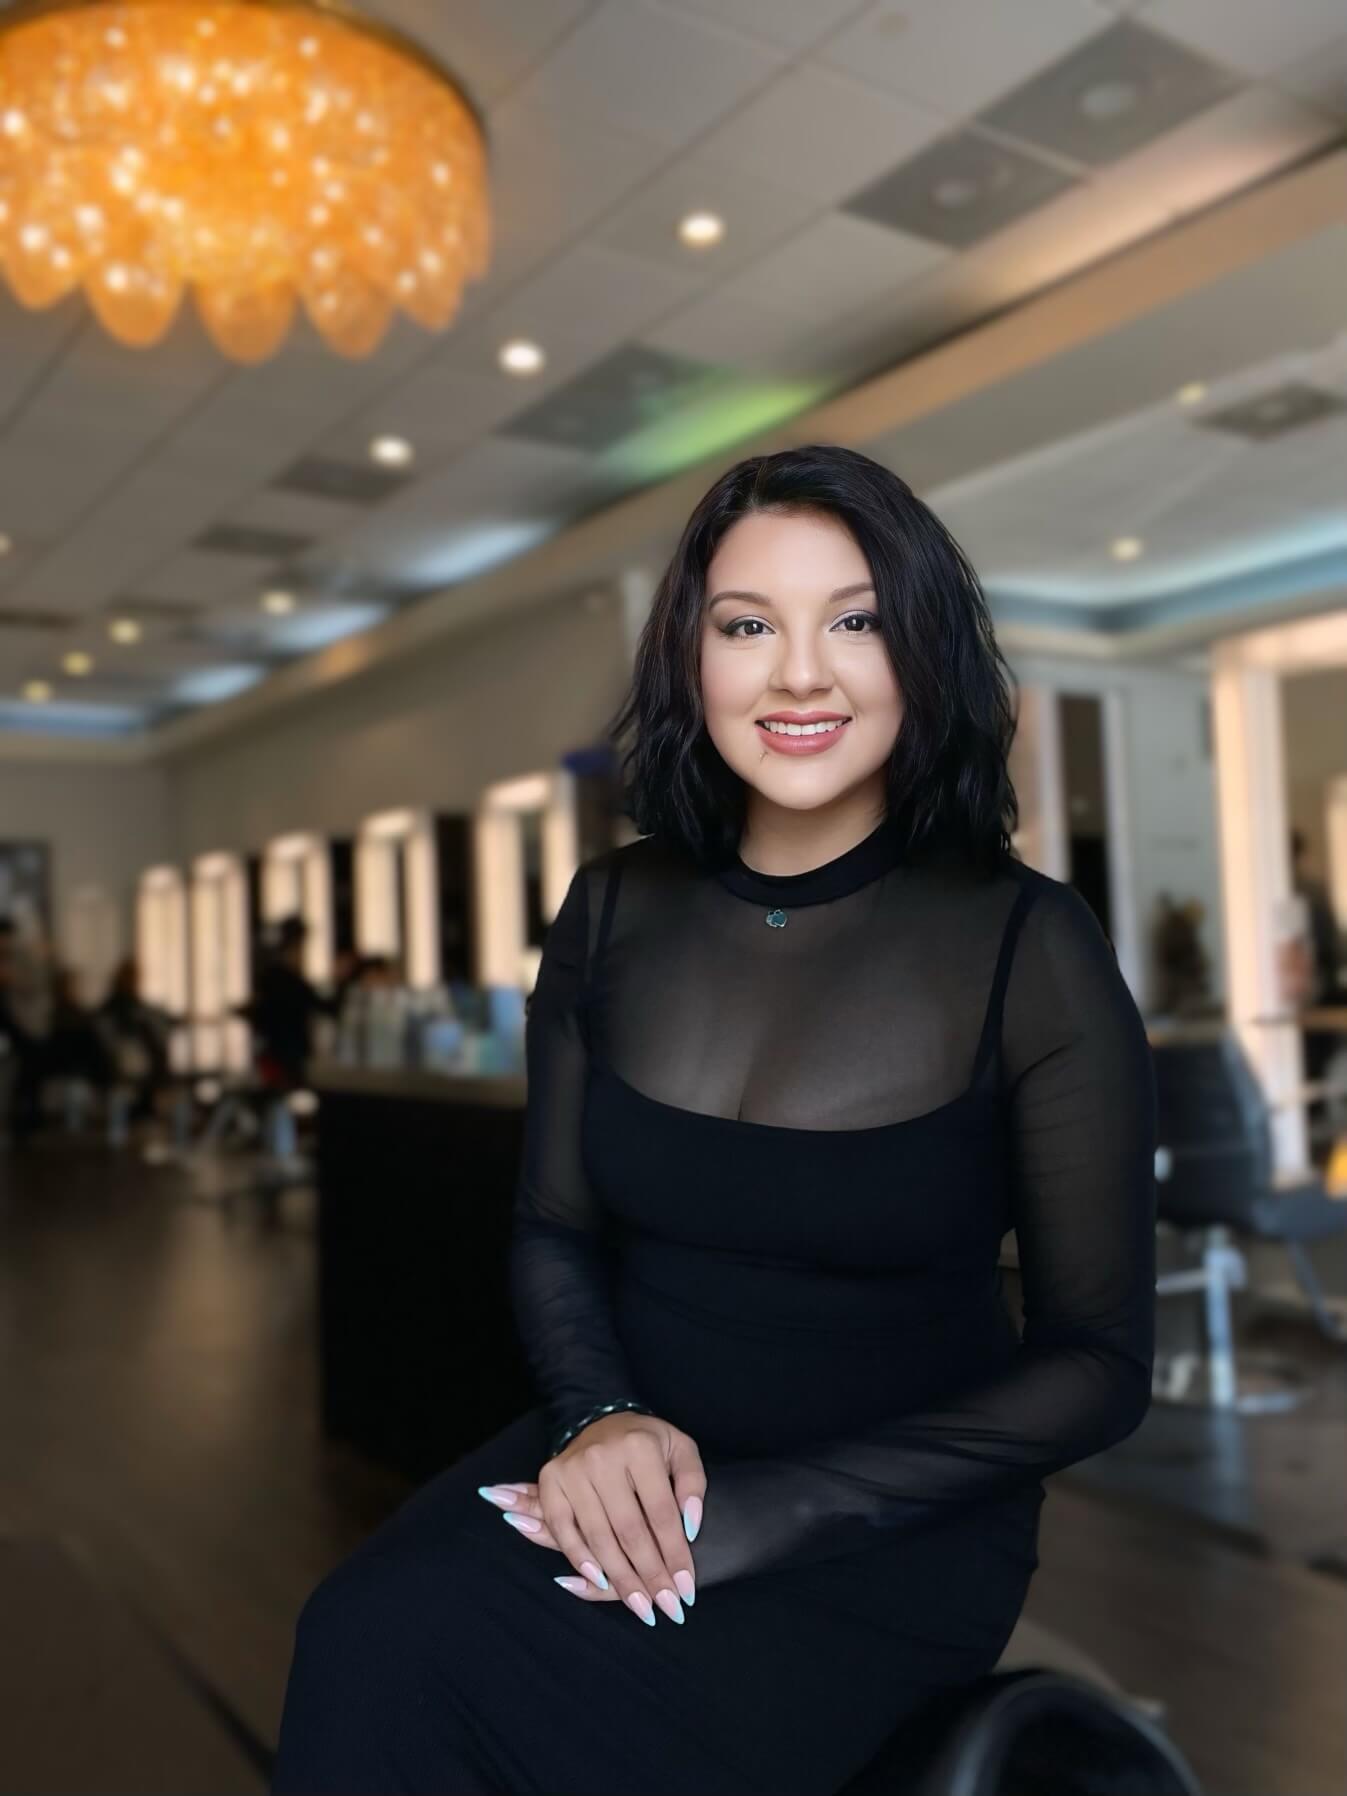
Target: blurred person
x=25, y=1023
x=1183, y=982
x=137, y=1034
x=1322, y=984
x=283, y=1007
x=798, y=1059
x=77, y=1050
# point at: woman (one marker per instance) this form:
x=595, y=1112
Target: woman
x=797, y=1061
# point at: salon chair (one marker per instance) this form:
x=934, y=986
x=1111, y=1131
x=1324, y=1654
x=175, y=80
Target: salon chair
x=1027, y=1733
x=1216, y=1185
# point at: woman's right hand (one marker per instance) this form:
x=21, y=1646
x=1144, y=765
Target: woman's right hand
x=616, y=1495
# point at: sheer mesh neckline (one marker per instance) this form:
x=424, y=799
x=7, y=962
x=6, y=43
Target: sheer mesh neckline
x=846, y=872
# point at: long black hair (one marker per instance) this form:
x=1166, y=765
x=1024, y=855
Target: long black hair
x=947, y=781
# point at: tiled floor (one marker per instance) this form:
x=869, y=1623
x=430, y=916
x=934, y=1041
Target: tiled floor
x=162, y=1468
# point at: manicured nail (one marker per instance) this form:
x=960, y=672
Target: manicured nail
x=526, y=1522
x=497, y=1494
x=640, y=1603
x=687, y=1589
x=576, y=1586
x=593, y=1573
x=692, y=1517
x=670, y=1605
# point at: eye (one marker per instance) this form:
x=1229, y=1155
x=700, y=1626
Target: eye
x=868, y=618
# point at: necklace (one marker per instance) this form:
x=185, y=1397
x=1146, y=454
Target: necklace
x=776, y=918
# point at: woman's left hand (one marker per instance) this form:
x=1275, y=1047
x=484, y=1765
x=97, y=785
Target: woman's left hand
x=527, y=1506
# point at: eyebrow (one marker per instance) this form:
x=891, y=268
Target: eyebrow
x=761, y=598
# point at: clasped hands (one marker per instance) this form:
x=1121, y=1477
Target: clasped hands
x=622, y=1502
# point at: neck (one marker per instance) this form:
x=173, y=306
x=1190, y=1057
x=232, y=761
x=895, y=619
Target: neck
x=777, y=839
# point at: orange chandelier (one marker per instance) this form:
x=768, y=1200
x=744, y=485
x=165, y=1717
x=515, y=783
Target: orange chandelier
x=268, y=154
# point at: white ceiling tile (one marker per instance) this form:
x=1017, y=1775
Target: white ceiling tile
x=202, y=577
x=821, y=133
x=789, y=24
x=957, y=55
x=757, y=213
x=29, y=341
x=836, y=265
x=487, y=44
x=553, y=173
x=662, y=74
x=1256, y=38
x=304, y=514
x=578, y=307
x=439, y=409
x=736, y=329
x=43, y=490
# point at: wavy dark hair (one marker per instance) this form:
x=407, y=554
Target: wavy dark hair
x=947, y=778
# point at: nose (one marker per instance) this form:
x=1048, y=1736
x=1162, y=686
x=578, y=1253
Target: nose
x=801, y=665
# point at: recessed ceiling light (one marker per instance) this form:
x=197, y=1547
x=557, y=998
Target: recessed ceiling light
x=1107, y=100
x=391, y=452
x=78, y=663
x=6, y=544
x=1192, y=394
x=699, y=230
x=520, y=356
x=1126, y=548
x=37, y=692
x=954, y=192
x=124, y=629
x=279, y=604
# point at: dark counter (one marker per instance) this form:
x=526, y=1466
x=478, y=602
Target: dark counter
x=416, y=1172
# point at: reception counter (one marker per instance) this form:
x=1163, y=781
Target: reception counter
x=416, y=1174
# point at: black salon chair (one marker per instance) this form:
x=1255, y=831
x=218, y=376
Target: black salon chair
x=1217, y=1185
x=1029, y=1732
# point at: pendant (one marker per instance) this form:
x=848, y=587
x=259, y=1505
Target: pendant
x=776, y=919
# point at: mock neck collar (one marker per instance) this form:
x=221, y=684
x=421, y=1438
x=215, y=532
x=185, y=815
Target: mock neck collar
x=847, y=872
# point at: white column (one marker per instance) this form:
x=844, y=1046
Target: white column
x=1256, y=881
x=1118, y=825
x=1036, y=770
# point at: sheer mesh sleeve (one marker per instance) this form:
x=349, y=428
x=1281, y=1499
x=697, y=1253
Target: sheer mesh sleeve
x=1080, y=1086
x=559, y=1263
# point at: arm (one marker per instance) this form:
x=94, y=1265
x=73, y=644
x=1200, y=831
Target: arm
x=558, y=1261
x=1080, y=1085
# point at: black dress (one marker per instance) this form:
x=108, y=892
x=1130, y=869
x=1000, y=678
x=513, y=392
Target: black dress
x=777, y=1129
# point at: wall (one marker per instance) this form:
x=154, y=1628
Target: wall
x=1169, y=780
x=484, y=705
x=103, y=824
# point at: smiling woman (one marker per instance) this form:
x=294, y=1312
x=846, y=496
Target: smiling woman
x=766, y=1175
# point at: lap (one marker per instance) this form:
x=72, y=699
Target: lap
x=772, y=1683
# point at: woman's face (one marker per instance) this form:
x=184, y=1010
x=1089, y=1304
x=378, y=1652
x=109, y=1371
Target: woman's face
x=790, y=624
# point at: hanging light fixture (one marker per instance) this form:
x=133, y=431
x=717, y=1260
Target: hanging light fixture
x=268, y=154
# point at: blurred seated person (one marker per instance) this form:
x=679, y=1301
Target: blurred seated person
x=137, y=1035
x=25, y=1023
x=76, y=1047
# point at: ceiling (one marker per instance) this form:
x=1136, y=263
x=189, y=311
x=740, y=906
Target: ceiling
x=172, y=487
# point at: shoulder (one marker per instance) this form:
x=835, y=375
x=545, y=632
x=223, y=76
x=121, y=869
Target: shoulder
x=646, y=857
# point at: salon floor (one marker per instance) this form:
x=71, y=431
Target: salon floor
x=166, y=1503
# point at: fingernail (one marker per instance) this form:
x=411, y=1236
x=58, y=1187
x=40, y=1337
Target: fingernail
x=526, y=1522
x=576, y=1586
x=670, y=1605
x=497, y=1494
x=692, y=1517
x=687, y=1588
x=593, y=1573
x=640, y=1603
